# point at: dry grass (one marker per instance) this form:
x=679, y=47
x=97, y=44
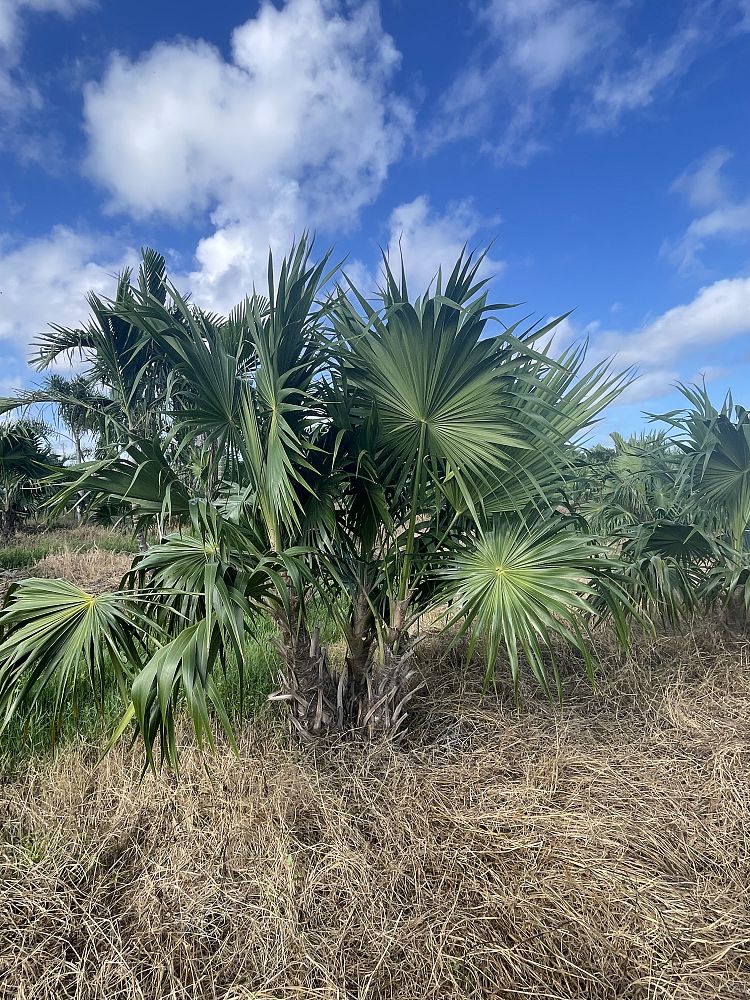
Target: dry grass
x=601, y=851
x=94, y=570
x=89, y=556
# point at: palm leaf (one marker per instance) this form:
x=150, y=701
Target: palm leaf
x=519, y=587
x=52, y=633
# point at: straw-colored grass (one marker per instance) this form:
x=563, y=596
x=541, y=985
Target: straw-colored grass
x=598, y=851
x=89, y=556
x=95, y=570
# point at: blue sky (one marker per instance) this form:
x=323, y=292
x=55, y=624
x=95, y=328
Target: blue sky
x=603, y=145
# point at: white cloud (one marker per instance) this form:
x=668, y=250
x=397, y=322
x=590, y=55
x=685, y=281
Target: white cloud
x=650, y=385
x=17, y=93
x=235, y=255
x=724, y=222
x=673, y=346
x=296, y=130
x=623, y=87
x=724, y=217
x=14, y=379
x=45, y=281
x=534, y=48
x=574, y=60
x=637, y=86
x=548, y=39
x=429, y=240
x=702, y=184
x=719, y=312
x=567, y=332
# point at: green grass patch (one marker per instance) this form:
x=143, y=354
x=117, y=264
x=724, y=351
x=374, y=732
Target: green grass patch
x=35, y=734
x=22, y=555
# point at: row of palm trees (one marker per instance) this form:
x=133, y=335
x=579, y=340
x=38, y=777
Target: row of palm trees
x=676, y=503
x=320, y=454
x=25, y=460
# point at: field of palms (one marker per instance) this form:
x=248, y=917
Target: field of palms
x=360, y=676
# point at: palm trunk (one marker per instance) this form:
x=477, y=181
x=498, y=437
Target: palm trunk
x=8, y=522
x=389, y=685
x=359, y=637
x=79, y=459
x=367, y=699
x=313, y=694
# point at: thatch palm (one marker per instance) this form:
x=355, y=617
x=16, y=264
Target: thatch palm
x=676, y=503
x=324, y=453
x=715, y=444
x=637, y=495
x=124, y=389
x=25, y=461
x=715, y=448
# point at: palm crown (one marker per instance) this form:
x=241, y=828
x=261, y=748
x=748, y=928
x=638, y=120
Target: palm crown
x=313, y=450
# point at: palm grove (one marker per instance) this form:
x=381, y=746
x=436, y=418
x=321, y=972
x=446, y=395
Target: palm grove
x=318, y=455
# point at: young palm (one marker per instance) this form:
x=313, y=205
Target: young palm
x=715, y=448
x=25, y=461
x=450, y=434
x=378, y=461
x=123, y=390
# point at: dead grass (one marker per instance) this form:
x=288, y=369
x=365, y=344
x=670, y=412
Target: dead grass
x=599, y=851
x=94, y=570
x=92, y=557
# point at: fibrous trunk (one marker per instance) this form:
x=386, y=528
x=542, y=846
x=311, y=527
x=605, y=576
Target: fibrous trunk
x=382, y=694
x=314, y=696
x=366, y=698
x=8, y=522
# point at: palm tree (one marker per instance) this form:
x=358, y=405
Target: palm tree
x=676, y=505
x=25, y=459
x=77, y=405
x=322, y=453
x=715, y=447
x=123, y=389
x=715, y=444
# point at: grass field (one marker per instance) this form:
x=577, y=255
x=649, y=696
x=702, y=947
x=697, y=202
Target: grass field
x=599, y=850
x=25, y=550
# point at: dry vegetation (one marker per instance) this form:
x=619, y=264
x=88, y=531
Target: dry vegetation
x=601, y=850
x=95, y=570
x=94, y=558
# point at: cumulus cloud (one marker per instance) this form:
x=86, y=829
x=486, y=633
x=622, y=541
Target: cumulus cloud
x=723, y=217
x=669, y=347
x=672, y=346
x=45, y=281
x=429, y=240
x=16, y=92
x=296, y=129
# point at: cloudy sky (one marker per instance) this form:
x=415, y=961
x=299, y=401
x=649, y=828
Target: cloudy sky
x=602, y=146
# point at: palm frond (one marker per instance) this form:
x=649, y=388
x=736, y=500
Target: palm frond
x=520, y=586
x=53, y=633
